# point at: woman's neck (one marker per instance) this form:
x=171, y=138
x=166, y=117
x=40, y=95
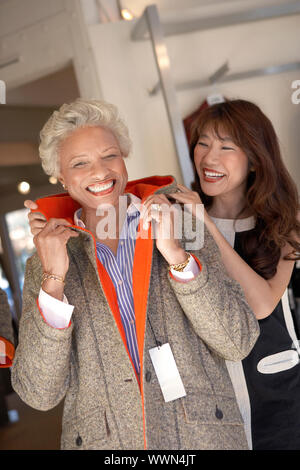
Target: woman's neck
x=106, y=228
x=229, y=208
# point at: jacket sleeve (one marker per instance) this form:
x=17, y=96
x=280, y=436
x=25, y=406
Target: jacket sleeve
x=40, y=372
x=7, y=349
x=216, y=306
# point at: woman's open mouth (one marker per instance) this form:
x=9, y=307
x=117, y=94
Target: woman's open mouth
x=101, y=189
x=212, y=176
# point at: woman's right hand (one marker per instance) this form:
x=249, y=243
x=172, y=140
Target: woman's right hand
x=37, y=221
x=51, y=246
x=50, y=239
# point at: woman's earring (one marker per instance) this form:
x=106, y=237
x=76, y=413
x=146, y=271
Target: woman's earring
x=65, y=187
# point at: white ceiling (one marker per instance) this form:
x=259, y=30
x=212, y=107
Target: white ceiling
x=171, y=7
x=168, y=4
x=52, y=90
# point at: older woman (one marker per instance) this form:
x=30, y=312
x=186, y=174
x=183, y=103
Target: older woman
x=137, y=351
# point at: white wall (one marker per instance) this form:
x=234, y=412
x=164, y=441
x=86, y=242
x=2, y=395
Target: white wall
x=35, y=35
x=50, y=90
x=247, y=47
x=38, y=38
x=127, y=69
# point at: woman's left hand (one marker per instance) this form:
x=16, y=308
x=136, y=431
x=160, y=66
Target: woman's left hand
x=158, y=210
x=187, y=196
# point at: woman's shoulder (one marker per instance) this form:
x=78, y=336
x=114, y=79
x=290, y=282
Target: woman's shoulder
x=293, y=244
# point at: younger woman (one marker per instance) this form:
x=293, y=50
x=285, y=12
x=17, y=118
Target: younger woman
x=252, y=211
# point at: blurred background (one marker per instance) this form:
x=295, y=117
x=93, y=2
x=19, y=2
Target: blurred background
x=159, y=62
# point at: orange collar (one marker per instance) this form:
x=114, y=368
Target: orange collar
x=62, y=206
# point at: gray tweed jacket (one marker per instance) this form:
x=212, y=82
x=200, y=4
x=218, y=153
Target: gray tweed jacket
x=206, y=321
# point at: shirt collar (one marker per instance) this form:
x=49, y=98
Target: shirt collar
x=133, y=209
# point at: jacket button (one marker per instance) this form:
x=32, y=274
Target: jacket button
x=78, y=441
x=148, y=376
x=219, y=413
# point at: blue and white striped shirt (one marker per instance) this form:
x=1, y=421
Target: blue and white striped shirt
x=119, y=268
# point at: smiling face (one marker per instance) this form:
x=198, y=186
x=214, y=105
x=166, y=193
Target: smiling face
x=92, y=168
x=222, y=166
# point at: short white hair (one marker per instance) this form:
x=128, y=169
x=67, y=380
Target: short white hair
x=69, y=117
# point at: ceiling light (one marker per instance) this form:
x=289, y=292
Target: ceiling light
x=24, y=187
x=53, y=180
x=126, y=14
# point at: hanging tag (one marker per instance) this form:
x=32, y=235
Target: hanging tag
x=167, y=373
x=278, y=362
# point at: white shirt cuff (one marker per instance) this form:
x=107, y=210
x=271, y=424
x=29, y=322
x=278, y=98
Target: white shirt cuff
x=190, y=271
x=56, y=313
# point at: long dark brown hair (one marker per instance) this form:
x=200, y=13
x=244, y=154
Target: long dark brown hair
x=271, y=196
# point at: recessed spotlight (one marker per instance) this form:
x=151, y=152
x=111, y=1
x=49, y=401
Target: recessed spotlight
x=53, y=180
x=24, y=187
x=126, y=14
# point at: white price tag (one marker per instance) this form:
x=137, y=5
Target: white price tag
x=167, y=373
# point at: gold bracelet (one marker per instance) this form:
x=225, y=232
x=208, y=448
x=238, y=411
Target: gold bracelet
x=47, y=276
x=180, y=267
